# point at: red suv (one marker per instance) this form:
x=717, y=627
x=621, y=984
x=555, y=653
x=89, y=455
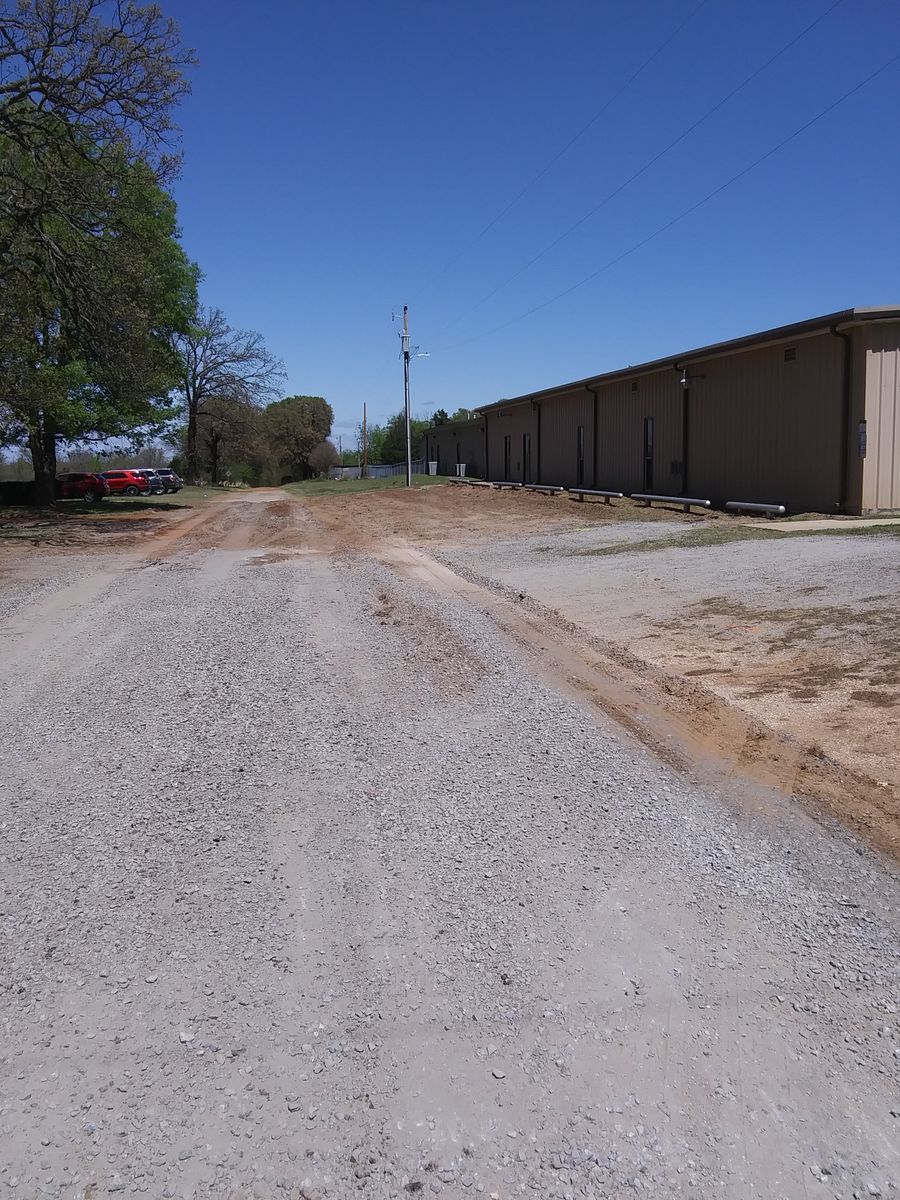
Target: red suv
x=127, y=483
x=81, y=485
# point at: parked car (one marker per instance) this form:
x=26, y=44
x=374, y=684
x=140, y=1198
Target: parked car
x=173, y=482
x=81, y=485
x=126, y=483
x=157, y=486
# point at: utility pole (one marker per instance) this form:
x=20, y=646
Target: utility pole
x=406, y=353
x=404, y=342
x=365, y=448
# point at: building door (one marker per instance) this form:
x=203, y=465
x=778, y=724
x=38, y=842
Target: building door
x=526, y=458
x=579, y=457
x=507, y=455
x=648, y=454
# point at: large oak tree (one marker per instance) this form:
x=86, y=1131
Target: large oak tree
x=92, y=359
x=92, y=280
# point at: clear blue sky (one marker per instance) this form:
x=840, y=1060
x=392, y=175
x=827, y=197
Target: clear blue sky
x=339, y=154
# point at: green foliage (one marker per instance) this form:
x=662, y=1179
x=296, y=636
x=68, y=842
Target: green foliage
x=84, y=351
x=312, y=411
x=439, y=417
x=375, y=435
x=390, y=444
x=239, y=441
x=292, y=429
x=322, y=458
x=229, y=433
x=217, y=362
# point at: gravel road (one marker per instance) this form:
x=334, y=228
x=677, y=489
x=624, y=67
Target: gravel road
x=314, y=885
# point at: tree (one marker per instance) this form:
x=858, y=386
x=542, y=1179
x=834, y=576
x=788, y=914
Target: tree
x=229, y=436
x=463, y=414
x=292, y=429
x=79, y=79
x=393, y=445
x=90, y=360
x=323, y=457
x=112, y=72
x=439, y=417
x=314, y=411
x=375, y=435
x=215, y=361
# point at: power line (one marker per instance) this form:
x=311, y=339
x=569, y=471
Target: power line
x=643, y=169
x=684, y=213
x=559, y=154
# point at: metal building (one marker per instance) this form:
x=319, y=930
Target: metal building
x=806, y=415
x=459, y=442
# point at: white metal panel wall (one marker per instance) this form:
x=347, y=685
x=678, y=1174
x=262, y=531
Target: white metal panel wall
x=881, y=468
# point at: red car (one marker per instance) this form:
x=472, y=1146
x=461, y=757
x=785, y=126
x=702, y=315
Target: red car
x=127, y=483
x=81, y=485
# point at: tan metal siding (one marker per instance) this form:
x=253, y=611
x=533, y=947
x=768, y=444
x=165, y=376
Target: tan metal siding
x=881, y=468
x=767, y=430
x=622, y=410
x=514, y=422
x=559, y=421
x=450, y=444
x=762, y=426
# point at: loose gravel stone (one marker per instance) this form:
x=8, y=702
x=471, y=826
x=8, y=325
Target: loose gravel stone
x=269, y=917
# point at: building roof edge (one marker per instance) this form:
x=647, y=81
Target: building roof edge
x=847, y=316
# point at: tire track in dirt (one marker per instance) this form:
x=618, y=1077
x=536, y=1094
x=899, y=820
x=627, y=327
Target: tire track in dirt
x=686, y=725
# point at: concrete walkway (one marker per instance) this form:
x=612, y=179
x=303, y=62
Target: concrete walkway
x=827, y=523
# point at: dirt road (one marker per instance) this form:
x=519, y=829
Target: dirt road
x=321, y=878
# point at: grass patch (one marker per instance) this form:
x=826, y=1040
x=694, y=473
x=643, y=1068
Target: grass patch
x=852, y=531
x=799, y=518
x=690, y=539
x=345, y=487
x=109, y=506
x=186, y=498
x=721, y=535
x=113, y=515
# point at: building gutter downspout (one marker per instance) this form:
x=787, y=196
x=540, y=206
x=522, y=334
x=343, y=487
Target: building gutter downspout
x=846, y=409
x=685, y=424
x=596, y=438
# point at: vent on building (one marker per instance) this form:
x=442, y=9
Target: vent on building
x=634, y=385
x=790, y=355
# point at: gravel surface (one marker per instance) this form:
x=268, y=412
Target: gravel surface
x=311, y=887
x=800, y=632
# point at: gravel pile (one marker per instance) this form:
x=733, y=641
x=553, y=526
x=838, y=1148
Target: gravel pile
x=323, y=892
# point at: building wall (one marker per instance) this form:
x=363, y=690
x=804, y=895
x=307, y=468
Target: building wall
x=452, y=444
x=765, y=429
x=879, y=355
x=770, y=424
x=623, y=409
x=560, y=420
x=513, y=422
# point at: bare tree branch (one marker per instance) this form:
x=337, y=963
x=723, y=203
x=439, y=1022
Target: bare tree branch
x=220, y=362
x=111, y=73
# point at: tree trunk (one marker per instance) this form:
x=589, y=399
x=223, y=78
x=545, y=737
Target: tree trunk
x=213, y=443
x=42, y=447
x=190, y=458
